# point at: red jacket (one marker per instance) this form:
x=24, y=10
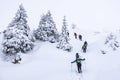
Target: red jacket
x=75, y=34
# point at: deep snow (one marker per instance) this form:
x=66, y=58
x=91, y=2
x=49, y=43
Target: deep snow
x=46, y=62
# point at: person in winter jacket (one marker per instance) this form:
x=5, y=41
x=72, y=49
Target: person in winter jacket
x=75, y=34
x=80, y=37
x=84, y=47
x=79, y=64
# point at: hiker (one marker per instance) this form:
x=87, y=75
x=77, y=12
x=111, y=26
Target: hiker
x=84, y=47
x=75, y=34
x=79, y=64
x=80, y=37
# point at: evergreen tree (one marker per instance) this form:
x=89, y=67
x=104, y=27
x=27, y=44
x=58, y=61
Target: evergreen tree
x=20, y=21
x=47, y=29
x=65, y=32
x=64, y=38
x=16, y=36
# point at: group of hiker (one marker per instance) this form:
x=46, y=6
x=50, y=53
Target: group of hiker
x=84, y=47
x=78, y=58
x=80, y=36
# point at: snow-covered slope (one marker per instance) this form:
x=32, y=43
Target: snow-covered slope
x=46, y=62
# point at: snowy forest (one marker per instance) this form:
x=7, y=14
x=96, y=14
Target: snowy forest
x=48, y=51
x=18, y=38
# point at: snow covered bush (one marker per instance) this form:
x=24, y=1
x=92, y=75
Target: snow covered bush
x=17, y=35
x=103, y=51
x=46, y=29
x=112, y=42
x=64, y=38
x=52, y=39
x=67, y=47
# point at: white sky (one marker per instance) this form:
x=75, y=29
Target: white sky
x=84, y=13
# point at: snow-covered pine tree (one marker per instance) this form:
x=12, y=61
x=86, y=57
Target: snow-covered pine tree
x=64, y=38
x=16, y=36
x=47, y=30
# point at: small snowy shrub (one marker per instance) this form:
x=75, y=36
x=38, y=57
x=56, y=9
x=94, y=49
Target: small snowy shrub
x=67, y=47
x=52, y=39
x=112, y=42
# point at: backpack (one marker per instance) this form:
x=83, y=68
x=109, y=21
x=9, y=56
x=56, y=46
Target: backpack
x=78, y=60
x=84, y=46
